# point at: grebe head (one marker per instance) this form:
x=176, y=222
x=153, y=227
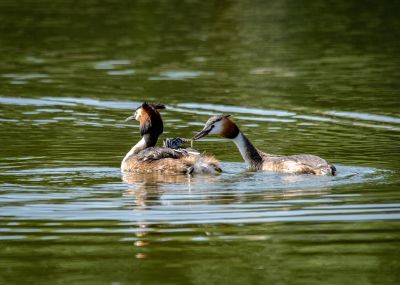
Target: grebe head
x=219, y=125
x=149, y=118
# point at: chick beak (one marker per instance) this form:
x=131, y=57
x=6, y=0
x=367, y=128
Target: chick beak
x=203, y=132
x=131, y=118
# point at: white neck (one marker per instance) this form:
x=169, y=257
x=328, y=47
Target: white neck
x=241, y=145
x=249, y=153
x=136, y=148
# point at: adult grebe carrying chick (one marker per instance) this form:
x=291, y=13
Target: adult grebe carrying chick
x=145, y=157
x=258, y=160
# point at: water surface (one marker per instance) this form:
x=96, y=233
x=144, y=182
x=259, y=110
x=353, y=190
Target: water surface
x=313, y=78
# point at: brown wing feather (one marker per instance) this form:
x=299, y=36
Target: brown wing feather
x=156, y=153
x=166, y=165
x=299, y=164
x=166, y=160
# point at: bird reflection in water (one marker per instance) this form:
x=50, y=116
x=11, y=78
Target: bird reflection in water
x=147, y=189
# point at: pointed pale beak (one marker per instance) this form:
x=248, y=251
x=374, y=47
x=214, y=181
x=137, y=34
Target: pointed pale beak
x=131, y=118
x=203, y=132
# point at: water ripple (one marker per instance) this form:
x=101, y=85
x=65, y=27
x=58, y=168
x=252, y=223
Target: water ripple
x=236, y=109
x=190, y=200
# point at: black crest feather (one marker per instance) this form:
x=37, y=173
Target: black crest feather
x=158, y=106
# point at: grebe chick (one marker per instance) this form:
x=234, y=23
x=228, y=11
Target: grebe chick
x=145, y=157
x=175, y=143
x=258, y=160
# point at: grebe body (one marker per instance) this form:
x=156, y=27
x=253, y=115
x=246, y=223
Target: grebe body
x=146, y=157
x=258, y=160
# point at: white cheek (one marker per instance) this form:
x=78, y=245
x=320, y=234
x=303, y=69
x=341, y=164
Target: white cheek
x=137, y=115
x=217, y=129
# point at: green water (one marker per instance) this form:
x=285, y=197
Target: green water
x=319, y=77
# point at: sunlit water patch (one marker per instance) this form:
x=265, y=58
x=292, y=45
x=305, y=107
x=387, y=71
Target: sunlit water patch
x=177, y=75
x=25, y=78
x=32, y=102
x=236, y=109
x=368, y=120
x=111, y=64
x=96, y=103
x=366, y=116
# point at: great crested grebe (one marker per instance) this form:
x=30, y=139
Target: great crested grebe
x=298, y=164
x=145, y=157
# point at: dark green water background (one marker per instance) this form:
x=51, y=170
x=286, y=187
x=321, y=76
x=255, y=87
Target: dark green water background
x=318, y=77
